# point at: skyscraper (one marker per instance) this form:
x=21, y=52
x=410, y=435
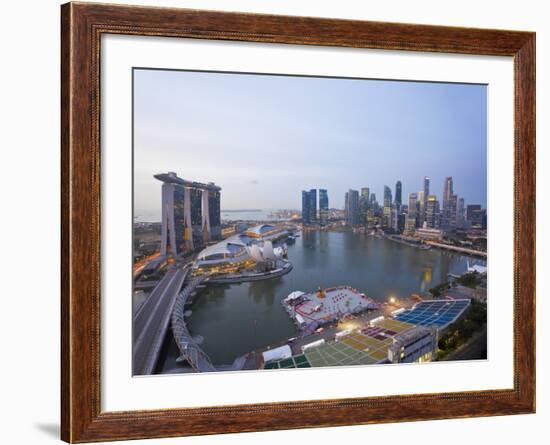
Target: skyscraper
x=373, y=205
x=386, y=221
x=387, y=196
x=309, y=206
x=447, y=188
x=214, y=197
x=453, y=204
x=460, y=216
x=305, y=207
x=448, y=214
x=413, y=200
x=421, y=208
x=364, y=205
x=395, y=213
x=323, y=207
x=426, y=195
x=432, y=212
x=313, y=204
x=401, y=220
x=184, y=204
x=411, y=221
x=352, y=207
x=398, y=201
x=474, y=215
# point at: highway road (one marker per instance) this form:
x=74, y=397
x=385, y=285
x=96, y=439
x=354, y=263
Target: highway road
x=152, y=320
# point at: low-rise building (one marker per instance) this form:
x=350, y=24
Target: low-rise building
x=415, y=345
x=266, y=232
x=429, y=234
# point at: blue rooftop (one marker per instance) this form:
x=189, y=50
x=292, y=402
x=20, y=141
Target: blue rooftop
x=440, y=313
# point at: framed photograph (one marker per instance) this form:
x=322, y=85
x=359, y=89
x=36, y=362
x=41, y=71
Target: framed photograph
x=274, y=222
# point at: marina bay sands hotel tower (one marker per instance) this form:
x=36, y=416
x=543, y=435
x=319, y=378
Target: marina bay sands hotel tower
x=191, y=214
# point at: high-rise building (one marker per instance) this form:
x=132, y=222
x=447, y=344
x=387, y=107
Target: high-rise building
x=196, y=216
x=401, y=220
x=421, y=208
x=412, y=207
x=447, y=188
x=372, y=219
x=432, y=213
x=373, y=205
x=364, y=204
x=410, y=225
x=323, y=207
x=387, y=196
x=190, y=213
x=305, y=207
x=411, y=221
x=453, y=204
x=352, y=207
x=309, y=206
x=386, y=216
x=214, y=198
x=395, y=218
x=398, y=200
x=313, y=204
x=460, y=216
x=474, y=215
x=448, y=214
x=426, y=195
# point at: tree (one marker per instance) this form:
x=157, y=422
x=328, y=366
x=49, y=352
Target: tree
x=439, y=289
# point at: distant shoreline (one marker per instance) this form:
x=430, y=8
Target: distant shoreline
x=241, y=210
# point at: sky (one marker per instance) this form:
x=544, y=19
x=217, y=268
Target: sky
x=265, y=138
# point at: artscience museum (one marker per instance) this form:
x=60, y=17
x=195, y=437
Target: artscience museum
x=258, y=250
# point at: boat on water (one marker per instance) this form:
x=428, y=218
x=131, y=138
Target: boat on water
x=314, y=309
x=291, y=239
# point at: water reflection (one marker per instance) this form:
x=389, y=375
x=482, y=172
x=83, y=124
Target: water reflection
x=264, y=291
x=426, y=279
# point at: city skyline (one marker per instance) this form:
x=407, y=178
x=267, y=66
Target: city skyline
x=423, y=210
x=262, y=155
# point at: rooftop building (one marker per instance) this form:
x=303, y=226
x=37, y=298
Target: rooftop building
x=418, y=344
x=265, y=231
x=439, y=313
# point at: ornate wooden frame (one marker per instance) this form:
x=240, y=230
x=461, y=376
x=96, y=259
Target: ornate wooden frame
x=81, y=28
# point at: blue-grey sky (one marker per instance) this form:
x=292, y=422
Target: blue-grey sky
x=265, y=138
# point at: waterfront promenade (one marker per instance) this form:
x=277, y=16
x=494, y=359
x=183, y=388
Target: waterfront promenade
x=462, y=250
x=247, y=277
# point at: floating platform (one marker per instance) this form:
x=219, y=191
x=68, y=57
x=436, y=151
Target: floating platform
x=311, y=310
